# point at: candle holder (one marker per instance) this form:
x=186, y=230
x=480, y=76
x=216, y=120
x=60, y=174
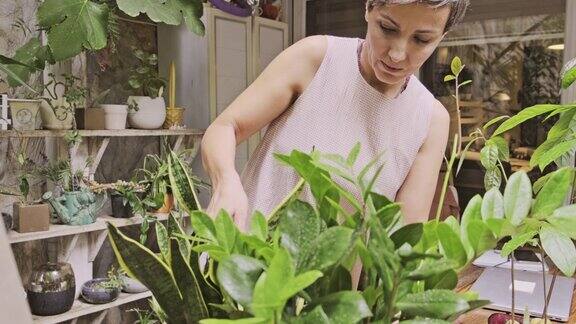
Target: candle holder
x=174, y=117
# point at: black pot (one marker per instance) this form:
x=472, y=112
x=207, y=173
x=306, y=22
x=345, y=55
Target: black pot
x=51, y=289
x=95, y=294
x=119, y=210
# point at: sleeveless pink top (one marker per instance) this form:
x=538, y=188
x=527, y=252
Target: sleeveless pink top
x=338, y=109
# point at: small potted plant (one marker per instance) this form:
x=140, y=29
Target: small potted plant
x=28, y=215
x=123, y=197
x=147, y=109
x=103, y=290
x=64, y=100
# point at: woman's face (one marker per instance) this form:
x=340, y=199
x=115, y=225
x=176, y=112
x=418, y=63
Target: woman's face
x=400, y=38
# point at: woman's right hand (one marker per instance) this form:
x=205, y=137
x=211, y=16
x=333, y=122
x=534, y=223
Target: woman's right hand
x=229, y=194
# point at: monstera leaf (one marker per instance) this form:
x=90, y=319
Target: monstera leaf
x=167, y=11
x=73, y=25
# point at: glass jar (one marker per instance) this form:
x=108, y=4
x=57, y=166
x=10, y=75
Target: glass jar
x=51, y=289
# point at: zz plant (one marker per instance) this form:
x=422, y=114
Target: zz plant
x=296, y=266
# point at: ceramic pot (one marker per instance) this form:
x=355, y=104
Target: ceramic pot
x=119, y=210
x=168, y=204
x=132, y=286
x=115, y=116
x=174, y=117
x=146, y=113
x=24, y=114
x=61, y=117
x=51, y=289
x=93, y=293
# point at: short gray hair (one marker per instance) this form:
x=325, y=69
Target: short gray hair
x=457, y=8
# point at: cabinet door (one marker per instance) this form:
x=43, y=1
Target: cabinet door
x=230, y=66
x=270, y=38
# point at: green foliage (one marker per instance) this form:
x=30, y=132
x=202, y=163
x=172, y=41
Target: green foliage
x=569, y=74
x=144, y=77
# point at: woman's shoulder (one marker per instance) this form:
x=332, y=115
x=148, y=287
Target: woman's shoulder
x=305, y=58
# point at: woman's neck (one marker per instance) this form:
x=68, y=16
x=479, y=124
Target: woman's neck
x=389, y=90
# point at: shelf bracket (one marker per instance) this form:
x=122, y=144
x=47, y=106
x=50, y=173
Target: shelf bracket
x=100, y=318
x=96, y=154
x=68, y=244
x=178, y=143
x=95, y=241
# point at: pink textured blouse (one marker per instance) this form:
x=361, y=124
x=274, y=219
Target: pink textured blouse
x=338, y=109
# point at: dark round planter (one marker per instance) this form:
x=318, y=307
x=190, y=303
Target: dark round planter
x=94, y=294
x=119, y=210
x=51, y=289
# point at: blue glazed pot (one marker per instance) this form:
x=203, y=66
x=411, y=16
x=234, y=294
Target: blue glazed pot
x=93, y=293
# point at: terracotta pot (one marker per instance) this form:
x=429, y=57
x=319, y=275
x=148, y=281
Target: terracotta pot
x=270, y=11
x=168, y=204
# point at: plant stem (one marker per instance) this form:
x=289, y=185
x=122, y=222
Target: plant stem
x=545, y=311
x=447, y=178
x=513, y=288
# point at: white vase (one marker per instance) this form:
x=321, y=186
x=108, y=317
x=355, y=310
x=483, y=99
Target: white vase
x=150, y=113
x=24, y=113
x=115, y=116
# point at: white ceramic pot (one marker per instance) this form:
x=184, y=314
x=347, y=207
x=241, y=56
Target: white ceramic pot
x=150, y=113
x=60, y=118
x=115, y=116
x=24, y=113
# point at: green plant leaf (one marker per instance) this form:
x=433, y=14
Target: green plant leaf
x=410, y=234
x=344, y=307
x=473, y=211
x=517, y=197
x=451, y=244
x=500, y=227
x=517, y=242
x=524, y=115
x=539, y=184
x=480, y=237
x=326, y=250
x=253, y=320
x=449, y=77
x=430, y=269
x=456, y=66
x=446, y=280
x=425, y=321
x=559, y=248
x=226, y=231
x=502, y=145
x=74, y=25
x=569, y=74
x=464, y=83
x=299, y=226
x=492, y=178
x=554, y=153
x=492, y=205
x=163, y=241
x=353, y=155
x=553, y=194
x=564, y=220
x=238, y=274
x=259, y=226
x=494, y=121
x=433, y=303
x=203, y=225
x=142, y=264
x=316, y=316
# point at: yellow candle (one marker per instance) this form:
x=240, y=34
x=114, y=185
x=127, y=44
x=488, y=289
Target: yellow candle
x=172, y=86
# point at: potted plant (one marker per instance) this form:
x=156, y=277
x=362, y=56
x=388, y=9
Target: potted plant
x=59, y=107
x=147, y=107
x=123, y=197
x=102, y=290
x=28, y=215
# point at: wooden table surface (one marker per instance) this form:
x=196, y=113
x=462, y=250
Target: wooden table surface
x=465, y=280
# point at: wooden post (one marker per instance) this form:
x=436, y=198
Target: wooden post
x=4, y=121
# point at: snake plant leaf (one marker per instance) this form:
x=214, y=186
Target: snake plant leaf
x=163, y=241
x=564, y=220
x=169, y=12
x=326, y=250
x=560, y=248
x=238, y=274
x=142, y=264
x=194, y=304
x=517, y=197
x=182, y=184
x=299, y=225
x=569, y=73
x=553, y=194
x=439, y=304
x=74, y=25
x=344, y=307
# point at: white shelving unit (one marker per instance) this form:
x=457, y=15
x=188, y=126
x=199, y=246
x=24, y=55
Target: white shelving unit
x=79, y=245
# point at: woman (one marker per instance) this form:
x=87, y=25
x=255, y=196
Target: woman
x=329, y=93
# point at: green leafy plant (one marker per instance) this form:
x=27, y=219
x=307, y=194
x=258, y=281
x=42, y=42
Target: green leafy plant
x=73, y=95
x=295, y=267
x=113, y=279
x=144, y=78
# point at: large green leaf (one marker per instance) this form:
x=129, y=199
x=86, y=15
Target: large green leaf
x=524, y=115
x=564, y=220
x=299, y=227
x=169, y=12
x=142, y=264
x=480, y=237
x=430, y=269
x=182, y=185
x=569, y=73
x=552, y=153
x=203, y=225
x=553, y=194
x=344, y=307
x=238, y=274
x=433, y=303
x=560, y=248
x=451, y=244
x=29, y=58
x=316, y=316
x=492, y=205
x=446, y=280
x=489, y=156
x=74, y=25
x=517, y=197
x=502, y=145
x=410, y=234
x=194, y=304
x=517, y=242
x=326, y=250
x=226, y=232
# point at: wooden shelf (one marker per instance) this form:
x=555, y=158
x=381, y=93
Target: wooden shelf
x=102, y=133
x=81, y=308
x=64, y=230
